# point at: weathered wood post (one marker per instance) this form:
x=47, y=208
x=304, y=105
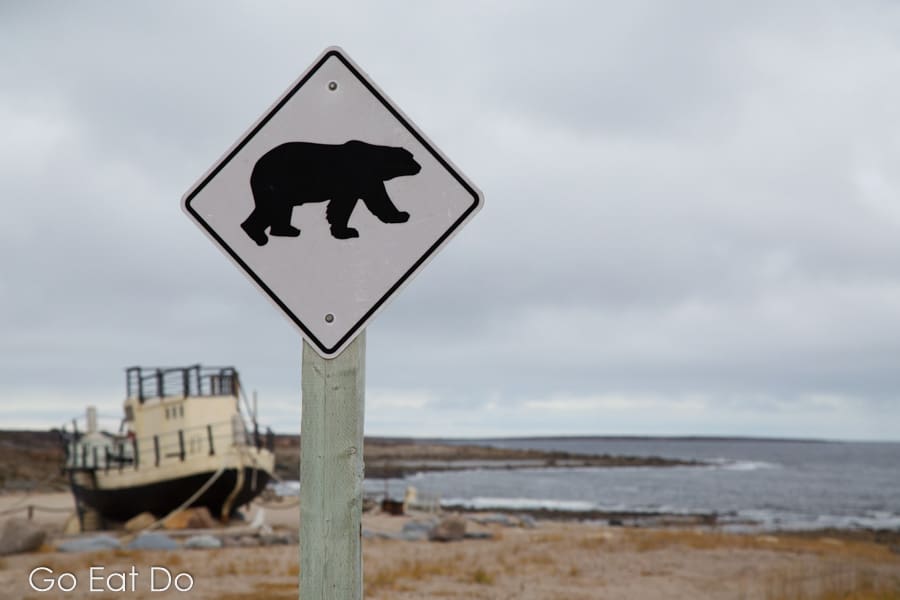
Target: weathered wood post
x=331, y=473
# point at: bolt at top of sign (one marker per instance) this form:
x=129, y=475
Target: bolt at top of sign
x=332, y=201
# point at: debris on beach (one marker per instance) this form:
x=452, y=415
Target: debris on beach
x=21, y=535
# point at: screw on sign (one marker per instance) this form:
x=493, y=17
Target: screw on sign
x=330, y=203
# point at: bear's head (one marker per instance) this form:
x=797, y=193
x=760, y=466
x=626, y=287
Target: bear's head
x=398, y=162
x=385, y=162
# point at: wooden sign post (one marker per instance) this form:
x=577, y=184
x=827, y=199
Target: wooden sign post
x=331, y=475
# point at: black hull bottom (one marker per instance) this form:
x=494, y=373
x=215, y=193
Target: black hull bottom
x=162, y=497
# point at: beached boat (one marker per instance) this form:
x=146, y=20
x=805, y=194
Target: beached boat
x=183, y=441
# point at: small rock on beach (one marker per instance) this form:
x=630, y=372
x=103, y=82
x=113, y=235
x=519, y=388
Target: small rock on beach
x=89, y=544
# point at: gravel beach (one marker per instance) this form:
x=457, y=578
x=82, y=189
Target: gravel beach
x=551, y=559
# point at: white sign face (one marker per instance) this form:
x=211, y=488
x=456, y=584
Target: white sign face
x=332, y=201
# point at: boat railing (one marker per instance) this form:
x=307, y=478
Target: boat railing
x=107, y=452
x=196, y=380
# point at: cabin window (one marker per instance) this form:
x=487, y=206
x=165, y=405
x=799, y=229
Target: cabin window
x=181, y=410
x=167, y=412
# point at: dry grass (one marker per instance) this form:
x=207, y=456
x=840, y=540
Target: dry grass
x=837, y=576
x=225, y=569
x=594, y=542
x=277, y=590
x=391, y=577
x=482, y=577
x=647, y=540
x=259, y=595
x=848, y=583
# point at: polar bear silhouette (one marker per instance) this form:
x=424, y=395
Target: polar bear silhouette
x=299, y=172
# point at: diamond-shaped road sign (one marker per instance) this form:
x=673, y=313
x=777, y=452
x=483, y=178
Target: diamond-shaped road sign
x=332, y=201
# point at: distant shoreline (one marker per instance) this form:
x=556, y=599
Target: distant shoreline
x=394, y=458
x=644, y=438
x=31, y=460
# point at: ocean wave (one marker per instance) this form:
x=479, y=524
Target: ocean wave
x=286, y=488
x=486, y=503
x=728, y=464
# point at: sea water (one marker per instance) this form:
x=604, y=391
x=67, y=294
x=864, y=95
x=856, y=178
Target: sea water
x=774, y=484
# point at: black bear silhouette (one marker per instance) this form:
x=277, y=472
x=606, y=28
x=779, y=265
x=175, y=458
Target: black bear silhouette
x=299, y=172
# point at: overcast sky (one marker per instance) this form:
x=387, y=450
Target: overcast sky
x=691, y=221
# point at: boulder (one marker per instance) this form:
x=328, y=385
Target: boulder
x=90, y=544
x=177, y=520
x=21, y=535
x=140, y=522
x=203, y=541
x=202, y=519
x=411, y=536
x=72, y=525
x=153, y=541
x=416, y=525
x=417, y=530
x=191, y=518
x=276, y=539
x=527, y=521
x=450, y=529
x=497, y=519
x=240, y=541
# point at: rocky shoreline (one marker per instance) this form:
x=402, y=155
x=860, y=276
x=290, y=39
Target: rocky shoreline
x=390, y=458
x=620, y=518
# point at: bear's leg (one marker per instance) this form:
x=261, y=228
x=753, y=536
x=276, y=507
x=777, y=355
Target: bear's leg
x=281, y=221
x=255, y=226
x=379, y=204
x=266, y=211
x=338, y=213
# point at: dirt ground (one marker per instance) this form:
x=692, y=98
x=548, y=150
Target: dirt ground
x=553, y=560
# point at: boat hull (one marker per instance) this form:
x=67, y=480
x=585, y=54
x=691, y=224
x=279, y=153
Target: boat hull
x=162, y=497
